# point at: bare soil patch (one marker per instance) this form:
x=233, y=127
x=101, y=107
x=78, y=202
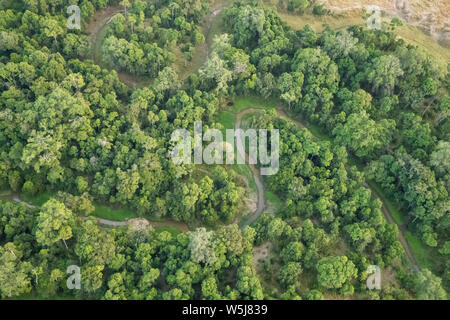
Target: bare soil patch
x=261, y=253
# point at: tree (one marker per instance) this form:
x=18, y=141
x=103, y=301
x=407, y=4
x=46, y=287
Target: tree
x=293, y=252
x=383, y=74
x=231, y=237
x=289, y=273
x=248, y=24
x=248, y=283
x=363, y=135
x=314, y=295
x=52, y=29
x=166, y=82
x=93, y=245
x=209, y=289
x=290, y=86
x=339, y=45
x=126, y=4
x=428, y=286
x=9, y=41
x=333, y=272
x=300, y=5
x=201, y=246
x=54, y=223
x=116, y=287
x=215, y=69
x=440, y=159
x=92, y=278
x=13, y=272
x=317, y=89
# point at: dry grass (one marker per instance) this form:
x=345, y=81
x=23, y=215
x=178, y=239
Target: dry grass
x=414, y=36
x=424, y=20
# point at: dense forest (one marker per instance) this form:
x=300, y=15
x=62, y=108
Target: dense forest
x=76, y=135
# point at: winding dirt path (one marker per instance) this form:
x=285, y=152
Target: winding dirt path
x=183, y=227
x=387, y=214
x=401, y=228
x=260, y=205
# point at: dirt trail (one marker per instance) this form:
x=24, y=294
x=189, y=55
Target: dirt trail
x=183, y=227
x=216, y=9
x=401, y=228
x=168, y=223
x=96, y=28
x=98, y=22
x=384, y=208
x=101, y=18
x=256, y=174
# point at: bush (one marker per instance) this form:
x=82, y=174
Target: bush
x=319, y=10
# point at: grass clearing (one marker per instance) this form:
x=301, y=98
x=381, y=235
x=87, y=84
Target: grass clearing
x=5, y=193
x=420, y=252
x=244, y=170
x=226, y=119
x=213, y=25
x=172, y=230
x=273, y=199
x=252, y=101
x=184, y=67
x=416, y=37
x=110, y=213
x=37, y=200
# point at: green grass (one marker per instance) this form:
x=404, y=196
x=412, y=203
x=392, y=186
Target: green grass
x=116, y=214
x=273, y=199
x=210, y=28
x=37, y=200
x=397, y=215
x=419, y=251
x=226, y=119
x=172, y=230
x=5, y=193
x=244, y=219
x=318, y=132
x=251, y=101
x=244, y=170
x=216, y=26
